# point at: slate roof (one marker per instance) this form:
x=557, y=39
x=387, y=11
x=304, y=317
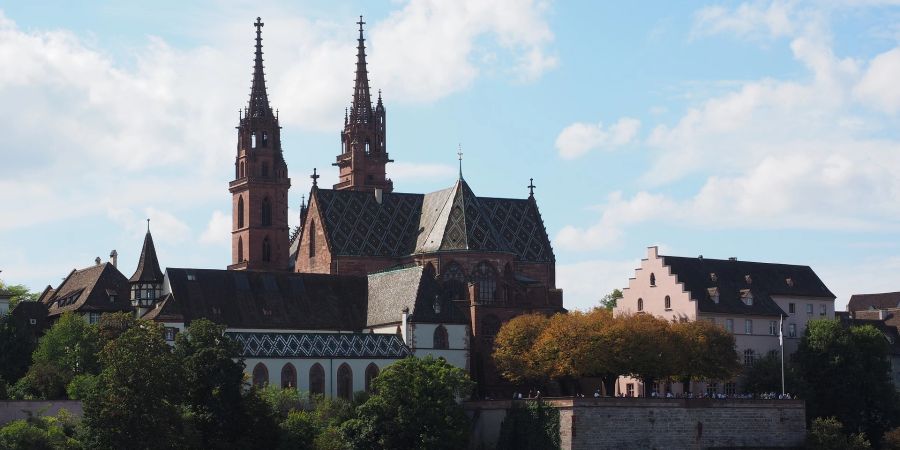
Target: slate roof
x=883, y=300
x=148, y=264
x=452, y=219
x=267, y=300
x=766, y=280
x=413, y=288
x=89, y=290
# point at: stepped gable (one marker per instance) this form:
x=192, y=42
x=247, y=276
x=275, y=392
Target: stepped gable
x=268, y=300
x=357, y=225
x=766, y=280
x=99, y=288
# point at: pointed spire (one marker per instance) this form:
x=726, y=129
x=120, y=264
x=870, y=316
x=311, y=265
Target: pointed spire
x=361, y=109
x=148, y=264
x=259, y=99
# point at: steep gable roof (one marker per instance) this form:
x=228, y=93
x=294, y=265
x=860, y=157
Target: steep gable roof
x=268, y=300
x=90, y=290
x=730, y=279
x=413, y=289
x=884, y=300
x=148, y=264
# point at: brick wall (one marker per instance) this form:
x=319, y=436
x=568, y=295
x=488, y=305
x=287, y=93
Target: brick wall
x=637, y=423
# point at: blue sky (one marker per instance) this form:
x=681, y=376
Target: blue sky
x=765, y=130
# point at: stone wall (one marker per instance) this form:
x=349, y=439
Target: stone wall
x=15, y=409
x=639, y=423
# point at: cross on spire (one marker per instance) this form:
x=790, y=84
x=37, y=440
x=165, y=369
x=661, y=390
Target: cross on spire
x=315, y=177
x=259, y=99
x=531, y=187
x=459, y=154
x=360, y=23
x=361, y=109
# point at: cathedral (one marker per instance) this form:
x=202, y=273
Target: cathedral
x=368, y=277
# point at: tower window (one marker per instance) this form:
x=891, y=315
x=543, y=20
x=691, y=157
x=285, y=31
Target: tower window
x=240, y=212
x=312, y=238
x=265, y=139
x=266, y=212
x=367, y=147
x=253, y=139
x=240, y=250
x=266, y=250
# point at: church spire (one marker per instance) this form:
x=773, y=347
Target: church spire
x=361, y=109
x=259, y=99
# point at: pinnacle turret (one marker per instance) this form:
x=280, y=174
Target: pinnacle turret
x=259, y=98
x=361, y=109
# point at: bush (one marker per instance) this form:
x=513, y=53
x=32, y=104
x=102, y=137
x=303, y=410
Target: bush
x=827, y=433
x=40, y=433
x=81, y=386
x=534, y=425
x=282, y=401
x=299, y=430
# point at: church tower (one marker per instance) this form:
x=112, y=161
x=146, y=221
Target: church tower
x=363, y=145
x=259, y=236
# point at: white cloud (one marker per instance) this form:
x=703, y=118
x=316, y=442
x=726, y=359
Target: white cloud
x=579, y=138
x=585, y=283
x=218, y=231
x=618, y=213
x=166, y=228
x=878, y=86
x=749, y=20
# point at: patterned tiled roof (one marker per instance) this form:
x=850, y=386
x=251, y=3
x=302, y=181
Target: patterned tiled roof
x=320, y=345
x=451, y=219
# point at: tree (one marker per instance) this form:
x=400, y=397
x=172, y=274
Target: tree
x=16, y=346
x=828, y=434
x=704, y=351
x=828, y=356
x=646, y=347
x=40, y=432
x=513, y=348
x=414, y=405
x=69, y=348
x=18, y=293
x=534, y=425
x=136, y=401
x=609, y=301
x=765, y=375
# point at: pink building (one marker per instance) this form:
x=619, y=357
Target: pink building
x=747, y=298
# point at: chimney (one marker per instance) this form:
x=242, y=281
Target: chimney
x=733, y=258
x=378, y=195
x=403, y=322
x=114, y=257
x=97, y=260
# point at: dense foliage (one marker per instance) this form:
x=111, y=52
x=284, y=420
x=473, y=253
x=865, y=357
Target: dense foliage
x=16, y=347
x=846, y=372
x=532, y=425
x=67, y=349
x=828, y=434
x=40, y=433
x=596, y=343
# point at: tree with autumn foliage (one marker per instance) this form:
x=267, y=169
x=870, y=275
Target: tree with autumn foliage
x=705, y=352
x=514, y=346
x=645, y=346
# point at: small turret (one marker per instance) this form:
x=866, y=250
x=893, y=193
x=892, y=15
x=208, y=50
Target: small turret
x=146, y=283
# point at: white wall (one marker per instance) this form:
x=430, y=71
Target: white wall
x=653, y=296
x=357, y=366
x=421, y=341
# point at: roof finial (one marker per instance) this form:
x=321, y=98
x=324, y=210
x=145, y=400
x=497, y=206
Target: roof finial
x=531, y=187
x=459, y=154
x=259, y=99
x=361, y=110
x=148, y=224
x=315, y=177
x=303, y=201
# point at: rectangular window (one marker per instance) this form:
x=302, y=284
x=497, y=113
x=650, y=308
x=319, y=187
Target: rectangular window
x=809, y=309
x=729, y=325
x=773, y=328
x=823, y=310
x=712, y=388
x=792, y=330
x=629, y=390
x=93, y=318
x=170, y=333
x=748, y=326
x=730, y=388
x=792, y=308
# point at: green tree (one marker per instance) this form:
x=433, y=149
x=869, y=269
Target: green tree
x=704, y=351
x=530, y=426
x=414, y=406
x=828, y=434
x=299, y=430
x=765, y=376
x=16, y=346
x=136, y=401
x=69, y=348
x=828, y=356
x=19, y=293
x=40, y=433
x=610, y=300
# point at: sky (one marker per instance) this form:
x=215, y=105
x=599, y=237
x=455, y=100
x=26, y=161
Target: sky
x=762, y=130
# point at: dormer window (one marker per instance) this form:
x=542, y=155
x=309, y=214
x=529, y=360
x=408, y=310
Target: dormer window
x=747, y=297
x=713, y=294
x=748, y=279
x=789, y=281
x=713, y=277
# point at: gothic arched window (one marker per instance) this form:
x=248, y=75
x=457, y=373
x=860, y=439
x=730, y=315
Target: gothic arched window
x=455, y=281
x=240, y=249
x=266, y=212
x=260, y=375
x=266, y=250
x=312, y=238
x=640, y=304
x=490, y=325
x=371, y=373
x=441, y=341
x=345, y=382
x=240, y=212
x=486, y=278
x=288, y=376
x=317, y=379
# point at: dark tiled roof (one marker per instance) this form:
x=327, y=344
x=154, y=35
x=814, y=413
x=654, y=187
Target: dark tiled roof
x=268, y=300
x=451, y=219
x=148, y=264
x=413, y=288
x=165, y=311
x=320, y=345
x=766, y=280
x=85, y=290
x=874, y=301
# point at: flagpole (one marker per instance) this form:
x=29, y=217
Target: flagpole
x=781, y=343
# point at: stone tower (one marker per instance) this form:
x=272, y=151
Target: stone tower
x=363, y=145
x=259, y=236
